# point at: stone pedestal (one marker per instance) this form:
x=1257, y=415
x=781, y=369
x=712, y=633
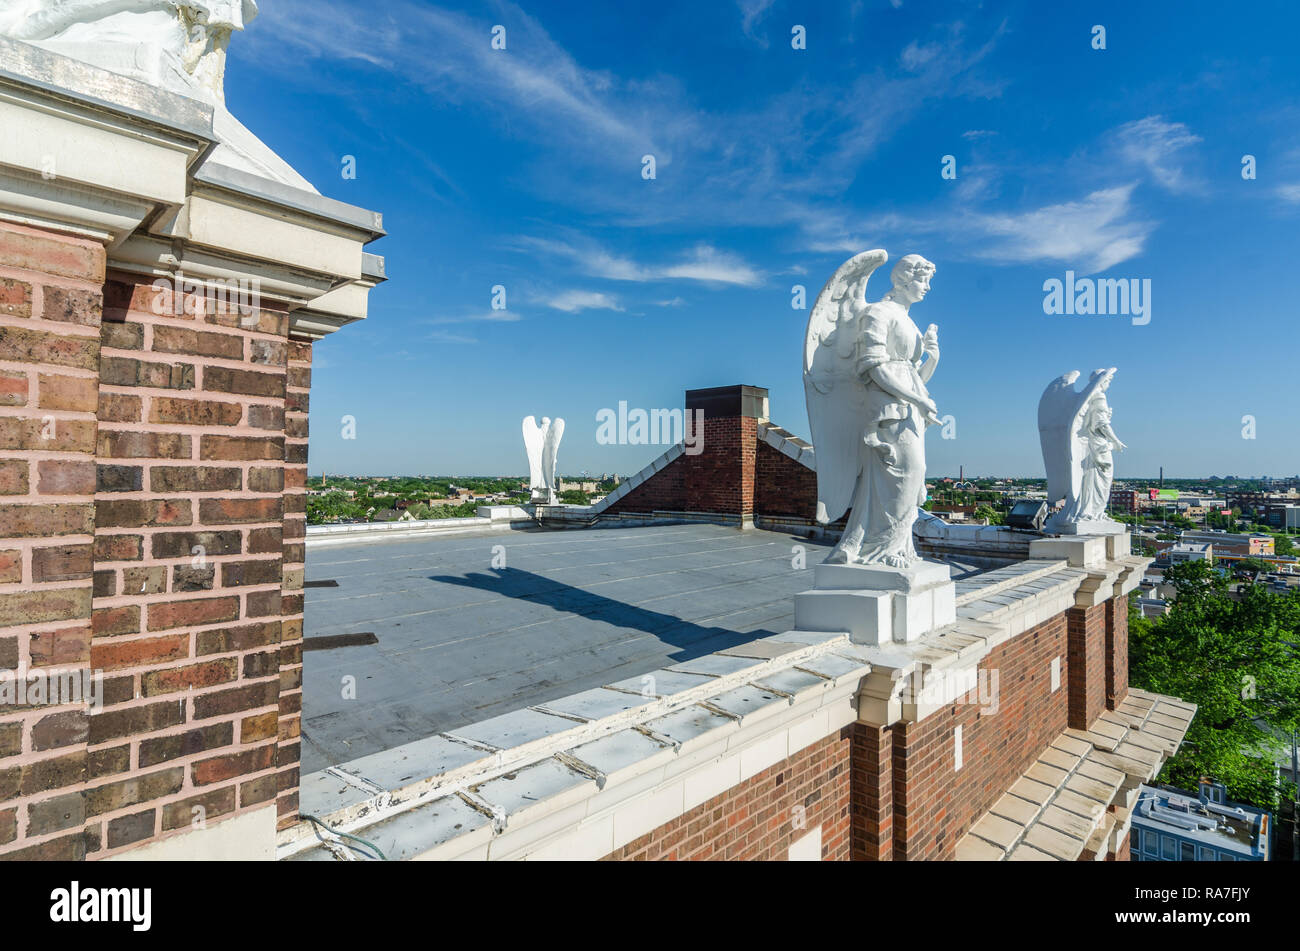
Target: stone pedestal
x=1091, y=526
x=876, y=604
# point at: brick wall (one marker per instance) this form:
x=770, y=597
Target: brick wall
x=1087, y=637
x=718, y=480
x=188, y=564
x=50, y=302
x=165, y=442
x=873, y=793
x=291, y=605
x=761, y=817
x=783, y=486
x=1116, y=651
x=935, y=803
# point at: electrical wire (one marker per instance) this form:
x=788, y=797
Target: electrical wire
x=347, y=835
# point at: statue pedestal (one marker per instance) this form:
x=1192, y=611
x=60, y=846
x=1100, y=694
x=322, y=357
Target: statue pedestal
x=876, y=604
x=1088, y=526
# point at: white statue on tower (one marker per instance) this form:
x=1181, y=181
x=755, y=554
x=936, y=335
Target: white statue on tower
x=542, y=443
x=1077, y=439
x=866, y=366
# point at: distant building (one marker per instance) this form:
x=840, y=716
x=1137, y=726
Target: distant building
x=1231, y=544
x=1153, y=607
x=1170, y=825
x=1191, y=552
x=1125, y=500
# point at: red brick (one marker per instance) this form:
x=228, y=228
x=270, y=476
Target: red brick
x=20, y=345
x=65, y=477
x=68, y=305
x=195, y=412
x=15, y=298
x=169, y=614
x=61, y=563
x=13, y=477
x=65, y=257
x=228, y=511
x=13, y=388
x=38, y=607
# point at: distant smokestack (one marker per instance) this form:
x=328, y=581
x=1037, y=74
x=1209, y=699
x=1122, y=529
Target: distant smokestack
x=1162, y=477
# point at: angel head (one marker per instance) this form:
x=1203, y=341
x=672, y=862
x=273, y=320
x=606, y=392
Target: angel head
x=911, y=277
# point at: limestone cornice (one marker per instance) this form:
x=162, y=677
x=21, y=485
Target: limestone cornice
x=98, y=155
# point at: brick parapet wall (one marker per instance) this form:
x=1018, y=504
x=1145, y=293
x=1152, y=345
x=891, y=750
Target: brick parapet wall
x=295, y=535
x=891, y=792
x=783, y=486
x=873, y=793
x=761, y=817
x=165, y=442
x=188, y=562
x=50, y=306
x=1087, y=681
x=1116, y=651
x=935, y=802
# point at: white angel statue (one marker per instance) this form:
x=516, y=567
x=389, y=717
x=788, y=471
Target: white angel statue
x=542, y=443
x=865, y=375
x=1077, y=439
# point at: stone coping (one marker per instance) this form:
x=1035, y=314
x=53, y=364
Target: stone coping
x=501, y=774
x=1078, y=796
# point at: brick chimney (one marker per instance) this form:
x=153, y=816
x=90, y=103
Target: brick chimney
x=720, y=479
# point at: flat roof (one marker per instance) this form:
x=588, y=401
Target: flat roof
x=459, y=641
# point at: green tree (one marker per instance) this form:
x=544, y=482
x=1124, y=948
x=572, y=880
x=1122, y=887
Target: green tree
x=1236, y=660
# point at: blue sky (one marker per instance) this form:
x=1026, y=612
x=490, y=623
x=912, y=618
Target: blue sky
x=523, y=168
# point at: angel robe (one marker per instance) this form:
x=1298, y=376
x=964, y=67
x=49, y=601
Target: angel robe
x=891, y=473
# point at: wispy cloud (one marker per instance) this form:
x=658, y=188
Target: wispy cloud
x=443, y=336
x=708, y=264
x=752, y=13
x=703, y=263
x=486, y=316
x=1289, y=193
x=1096, y=232
x=572, y=302
x=1160, y=148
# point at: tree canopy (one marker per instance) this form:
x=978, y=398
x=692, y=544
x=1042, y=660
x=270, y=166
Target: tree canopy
x=1238, y=661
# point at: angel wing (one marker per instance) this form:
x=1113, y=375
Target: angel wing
x=550, y=450
x=1060, y=412
x=533, y=437
x=836, y=397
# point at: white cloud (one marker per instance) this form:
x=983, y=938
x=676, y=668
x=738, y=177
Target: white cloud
x=487, y=316
x=1095, y=232
x=574, y=301
x=442, y=336
x=1289, y=193
x=703, y=263
x=1156, y=145
x=708, y=264
x=751, y=13
x=915, y=55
